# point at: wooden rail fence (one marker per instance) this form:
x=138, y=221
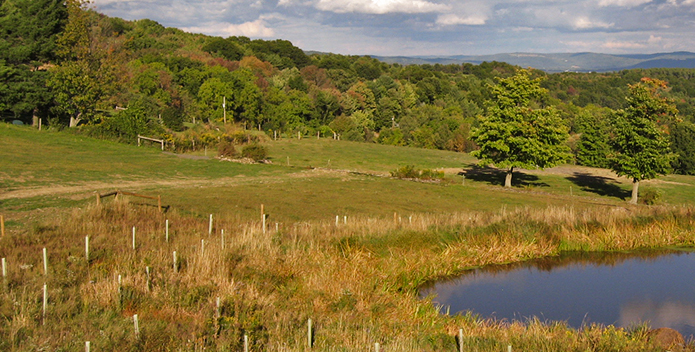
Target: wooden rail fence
x=161, y=141
x=117, y=193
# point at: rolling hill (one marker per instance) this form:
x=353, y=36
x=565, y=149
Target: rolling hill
x=561, y=62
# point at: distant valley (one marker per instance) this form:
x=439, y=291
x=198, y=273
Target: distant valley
x=561, y=62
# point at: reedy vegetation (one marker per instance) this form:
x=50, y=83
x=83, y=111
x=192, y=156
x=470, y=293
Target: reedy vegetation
x=357, y=281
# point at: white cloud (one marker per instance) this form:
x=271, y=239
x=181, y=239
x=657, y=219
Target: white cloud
x=523, y=29
x=654, y=39
x=622, y=3
x=380, y=6
x=255, y=29
x=623, y=45
x=491, y=26
x=681, y=2
x=586, y=23
x=451, y=19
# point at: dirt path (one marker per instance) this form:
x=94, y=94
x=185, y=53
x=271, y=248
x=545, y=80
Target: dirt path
x=87, y=189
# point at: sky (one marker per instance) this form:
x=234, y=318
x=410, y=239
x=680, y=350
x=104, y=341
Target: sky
x=433, y=27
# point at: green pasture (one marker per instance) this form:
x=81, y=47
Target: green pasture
x=356, y=183
x=362, y=157
x=29, y=158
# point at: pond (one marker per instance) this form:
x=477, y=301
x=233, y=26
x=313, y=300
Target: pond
x=623, y=289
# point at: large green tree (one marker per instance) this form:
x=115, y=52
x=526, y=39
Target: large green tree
x=28, y=30
x=515, y=132
x=640, y=145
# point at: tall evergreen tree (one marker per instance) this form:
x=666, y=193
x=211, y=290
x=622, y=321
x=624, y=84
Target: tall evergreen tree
x=683, y=144
x=28, y=31
x=593, y=147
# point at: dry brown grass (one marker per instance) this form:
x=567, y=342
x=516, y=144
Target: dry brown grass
x=358, y=280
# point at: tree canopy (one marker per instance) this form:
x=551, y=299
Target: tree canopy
x=640, y=145
x=65, y=62
x=514, y=133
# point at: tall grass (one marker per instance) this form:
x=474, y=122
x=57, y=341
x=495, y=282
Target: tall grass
x=358, y=281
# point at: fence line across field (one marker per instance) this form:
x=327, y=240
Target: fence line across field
x=117, y=193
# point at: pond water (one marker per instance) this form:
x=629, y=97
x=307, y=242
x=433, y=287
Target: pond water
x=620, y=289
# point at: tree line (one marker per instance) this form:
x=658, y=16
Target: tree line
x=73, y=67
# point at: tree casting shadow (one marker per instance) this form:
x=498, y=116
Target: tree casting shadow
x=496, y=176
x=603, y=186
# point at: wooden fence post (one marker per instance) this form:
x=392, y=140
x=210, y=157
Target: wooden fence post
x=159, y=203
x=263, y=218
x=222, y=239
x=136, y=326
x=45, y=303
x=147, y=271
x=45, y=261
x=2, y=226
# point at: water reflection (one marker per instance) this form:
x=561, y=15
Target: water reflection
x=617, y=288
x=676, y=315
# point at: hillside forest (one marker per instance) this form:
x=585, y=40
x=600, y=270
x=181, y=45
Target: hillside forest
x=73, y=68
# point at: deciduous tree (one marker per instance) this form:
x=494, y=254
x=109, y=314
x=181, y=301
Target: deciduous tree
x=640, y=146
x=515, y=134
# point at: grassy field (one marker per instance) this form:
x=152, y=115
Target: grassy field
x=357, y=280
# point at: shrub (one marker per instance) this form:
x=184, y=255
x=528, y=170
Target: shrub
x=409, y=171
x=227, y=150
x=254, y=151
x=429, y=174
x=651, y=196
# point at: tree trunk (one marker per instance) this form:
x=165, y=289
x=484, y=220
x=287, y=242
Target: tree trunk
x=635, y=191
x=34, y=118
x=75, y=120
x=508, y=178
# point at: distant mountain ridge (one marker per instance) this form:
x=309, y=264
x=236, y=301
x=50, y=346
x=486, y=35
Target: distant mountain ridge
x=560, y=62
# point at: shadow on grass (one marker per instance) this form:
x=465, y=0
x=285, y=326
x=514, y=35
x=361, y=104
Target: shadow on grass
x=603, y=186
x=496, y=176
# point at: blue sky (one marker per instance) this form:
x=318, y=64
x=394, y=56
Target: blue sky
x=433, y=27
